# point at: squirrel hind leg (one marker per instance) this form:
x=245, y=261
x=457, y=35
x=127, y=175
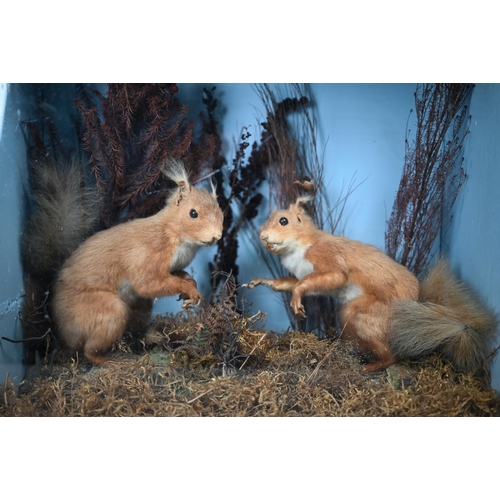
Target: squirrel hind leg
x=379, y=354
x=366, y=325
x=140, y=316
x=106, y=323
x=98, y=344
x=381, y=364
x=95, y=357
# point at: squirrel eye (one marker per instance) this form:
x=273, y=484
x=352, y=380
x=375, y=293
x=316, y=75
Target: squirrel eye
x=193, y=213
x=283, y=221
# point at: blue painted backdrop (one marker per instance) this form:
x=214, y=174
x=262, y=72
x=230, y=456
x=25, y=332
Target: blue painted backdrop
x=361, y=136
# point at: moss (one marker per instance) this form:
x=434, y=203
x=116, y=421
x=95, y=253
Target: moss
x=294, y=374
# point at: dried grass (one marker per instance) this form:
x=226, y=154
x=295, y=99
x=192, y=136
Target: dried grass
x=294, y=374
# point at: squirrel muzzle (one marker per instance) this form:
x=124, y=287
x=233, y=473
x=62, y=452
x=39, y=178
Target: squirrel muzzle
x=264, y=238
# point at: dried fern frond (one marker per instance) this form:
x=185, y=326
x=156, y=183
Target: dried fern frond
x=130, y=135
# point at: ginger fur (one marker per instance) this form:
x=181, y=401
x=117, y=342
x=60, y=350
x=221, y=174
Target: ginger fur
x=116, y=272
x=383, y=309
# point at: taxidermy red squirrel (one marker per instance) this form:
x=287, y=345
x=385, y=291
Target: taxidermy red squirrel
x=383, y=310
x=118, y=270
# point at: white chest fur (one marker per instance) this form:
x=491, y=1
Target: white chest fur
x=183, y=256
x=295, y=262
x=348, y=292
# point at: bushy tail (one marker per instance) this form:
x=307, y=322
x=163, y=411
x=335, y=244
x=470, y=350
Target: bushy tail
x=62, y=212
x=448, y=318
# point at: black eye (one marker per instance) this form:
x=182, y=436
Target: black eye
x=193, y=213
x=283, y=221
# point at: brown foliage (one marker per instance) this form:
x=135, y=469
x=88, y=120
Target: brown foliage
x=216, y=363
x=215, y=335
x=432, y=174
x=130, y=137
x=240, y=205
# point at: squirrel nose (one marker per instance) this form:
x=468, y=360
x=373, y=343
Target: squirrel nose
x=264, y=236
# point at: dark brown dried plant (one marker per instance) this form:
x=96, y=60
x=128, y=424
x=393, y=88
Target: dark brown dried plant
x=130, y=137
x=239, y=198
x=219, y=328
x=226, y=321
x=432, y=174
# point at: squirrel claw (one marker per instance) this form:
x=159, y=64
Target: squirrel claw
x=253, y=283
x=189, y=303
x=298, y=308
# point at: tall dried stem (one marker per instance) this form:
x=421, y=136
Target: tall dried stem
x=432, y=174
x=292, y=155
x=239, y=198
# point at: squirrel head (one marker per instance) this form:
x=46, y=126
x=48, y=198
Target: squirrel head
x=284, y=230
x=193, y=212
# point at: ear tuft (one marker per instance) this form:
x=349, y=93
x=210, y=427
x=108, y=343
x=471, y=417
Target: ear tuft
x=213, y=189
x=176, y=171
x=303, y=200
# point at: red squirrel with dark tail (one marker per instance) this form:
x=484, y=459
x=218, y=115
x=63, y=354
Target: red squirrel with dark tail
x=116, y=271
x=383, y=309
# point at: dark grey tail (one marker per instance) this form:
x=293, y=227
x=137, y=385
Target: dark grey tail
x=63, y=211
x=448, y=318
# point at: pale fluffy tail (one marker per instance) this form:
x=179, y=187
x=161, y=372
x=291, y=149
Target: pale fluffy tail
x=62, y=212
x=448, y=318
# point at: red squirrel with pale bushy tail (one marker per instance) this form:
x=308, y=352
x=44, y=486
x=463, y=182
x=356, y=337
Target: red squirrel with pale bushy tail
x=113, y=274
x=383, y=309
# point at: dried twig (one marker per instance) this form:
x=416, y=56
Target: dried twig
x=291, y=144
x=432, y=174
x=240, y=205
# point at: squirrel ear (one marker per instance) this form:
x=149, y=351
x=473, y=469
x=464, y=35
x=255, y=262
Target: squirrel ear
x=184, y=189
x=301, y=202
x=307, y=185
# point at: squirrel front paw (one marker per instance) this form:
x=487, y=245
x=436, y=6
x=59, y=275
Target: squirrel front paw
x=191, y=302
x=258, y=281
x=297, y=307
x=191, y=298
x=186, y=296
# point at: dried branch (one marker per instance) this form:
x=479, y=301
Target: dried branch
x=432, y=174
x=240, y=205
